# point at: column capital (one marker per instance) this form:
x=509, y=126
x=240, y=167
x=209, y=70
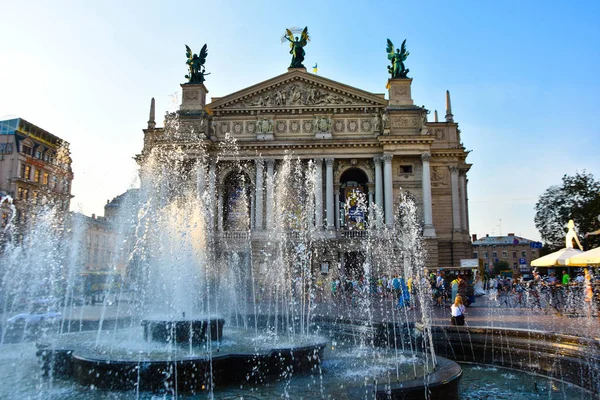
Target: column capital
x=318, y=161
x=377, y=160
x=329, y=162
x=425, y=157
x=387, y=158
x=270, y=162
x=259, y=161
x=336, y=187
x=453, y=169
x=371, y=187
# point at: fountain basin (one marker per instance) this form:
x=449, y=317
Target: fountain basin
x=183, y=330
x=117, y=361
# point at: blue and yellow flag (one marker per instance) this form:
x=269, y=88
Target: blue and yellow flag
x=315, y=69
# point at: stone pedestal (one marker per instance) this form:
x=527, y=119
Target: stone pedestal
x=193, y=96
x=399, y=92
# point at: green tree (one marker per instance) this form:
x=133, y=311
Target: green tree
x=500, y=266
x=578, y=198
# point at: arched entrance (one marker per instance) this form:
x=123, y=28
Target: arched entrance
x=353, y=199
x=236, y=209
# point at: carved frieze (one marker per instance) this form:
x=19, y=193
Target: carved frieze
x=295, y=94
x=440, y=133
x=339, y=125
x=405, y=122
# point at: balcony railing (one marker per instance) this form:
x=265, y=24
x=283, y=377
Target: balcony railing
x=353, y=234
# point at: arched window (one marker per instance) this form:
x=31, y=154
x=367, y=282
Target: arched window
x=236, y=210
x=353, y=199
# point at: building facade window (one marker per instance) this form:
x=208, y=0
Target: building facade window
x=26, y=150
x=45, y=178
x=494, y=254
x=485, y=254
x=36, y=175
x=514, y=254
x=504, y=254
x=5, y=148
x=523, y=254
x=475, y=254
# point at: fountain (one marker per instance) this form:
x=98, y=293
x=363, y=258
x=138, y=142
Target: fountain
x=204, y=317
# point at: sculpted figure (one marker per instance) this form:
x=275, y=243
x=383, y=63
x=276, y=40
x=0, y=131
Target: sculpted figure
x=397, y=69
x=195, y=63
x=572, y=235
x=297, y=47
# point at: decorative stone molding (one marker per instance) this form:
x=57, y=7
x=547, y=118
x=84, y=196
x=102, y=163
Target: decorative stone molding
x=387, y=158
x=329, y=162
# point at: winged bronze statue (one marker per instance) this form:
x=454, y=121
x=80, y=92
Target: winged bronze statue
x=195, y=63
x=397, y=69
x=297, y=47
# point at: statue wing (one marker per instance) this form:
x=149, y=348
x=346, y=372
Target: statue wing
x=390, y=49
x=188, y=52
x=304, y=39
x=403, y=49
x=289, y=36
x=203, y=54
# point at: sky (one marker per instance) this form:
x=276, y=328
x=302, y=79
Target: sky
x=523, y=77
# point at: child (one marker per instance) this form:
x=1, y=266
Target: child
x=458, y=311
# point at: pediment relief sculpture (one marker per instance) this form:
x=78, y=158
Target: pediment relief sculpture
x=296, y=94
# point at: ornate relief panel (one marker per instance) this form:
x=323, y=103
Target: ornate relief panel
x=295, y=126
x=439, y=176
x=238, y=128
x=365, y=125
x=281, y=126
x=352, y=125
x=339, y=125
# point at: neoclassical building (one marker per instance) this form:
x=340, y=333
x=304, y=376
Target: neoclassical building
x=359, y=142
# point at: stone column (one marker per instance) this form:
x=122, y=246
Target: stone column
x=212, y=190
x=462, y=177
x=370, y=188
x=319, y=193
x=220, y=208
x=258, y=199
x=251, y=200
x=388, y=189
x=336, y=196
x=455, y=198
x=329, y=192
x=429, y=229
x=378, y=188
x=270, y=194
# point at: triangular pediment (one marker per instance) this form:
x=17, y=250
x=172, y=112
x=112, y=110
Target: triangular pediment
x=297, y=90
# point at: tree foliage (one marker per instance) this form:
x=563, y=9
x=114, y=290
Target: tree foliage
x=578, y=198
x=500, y=266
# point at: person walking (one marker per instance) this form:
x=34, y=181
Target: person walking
x=457, y=311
